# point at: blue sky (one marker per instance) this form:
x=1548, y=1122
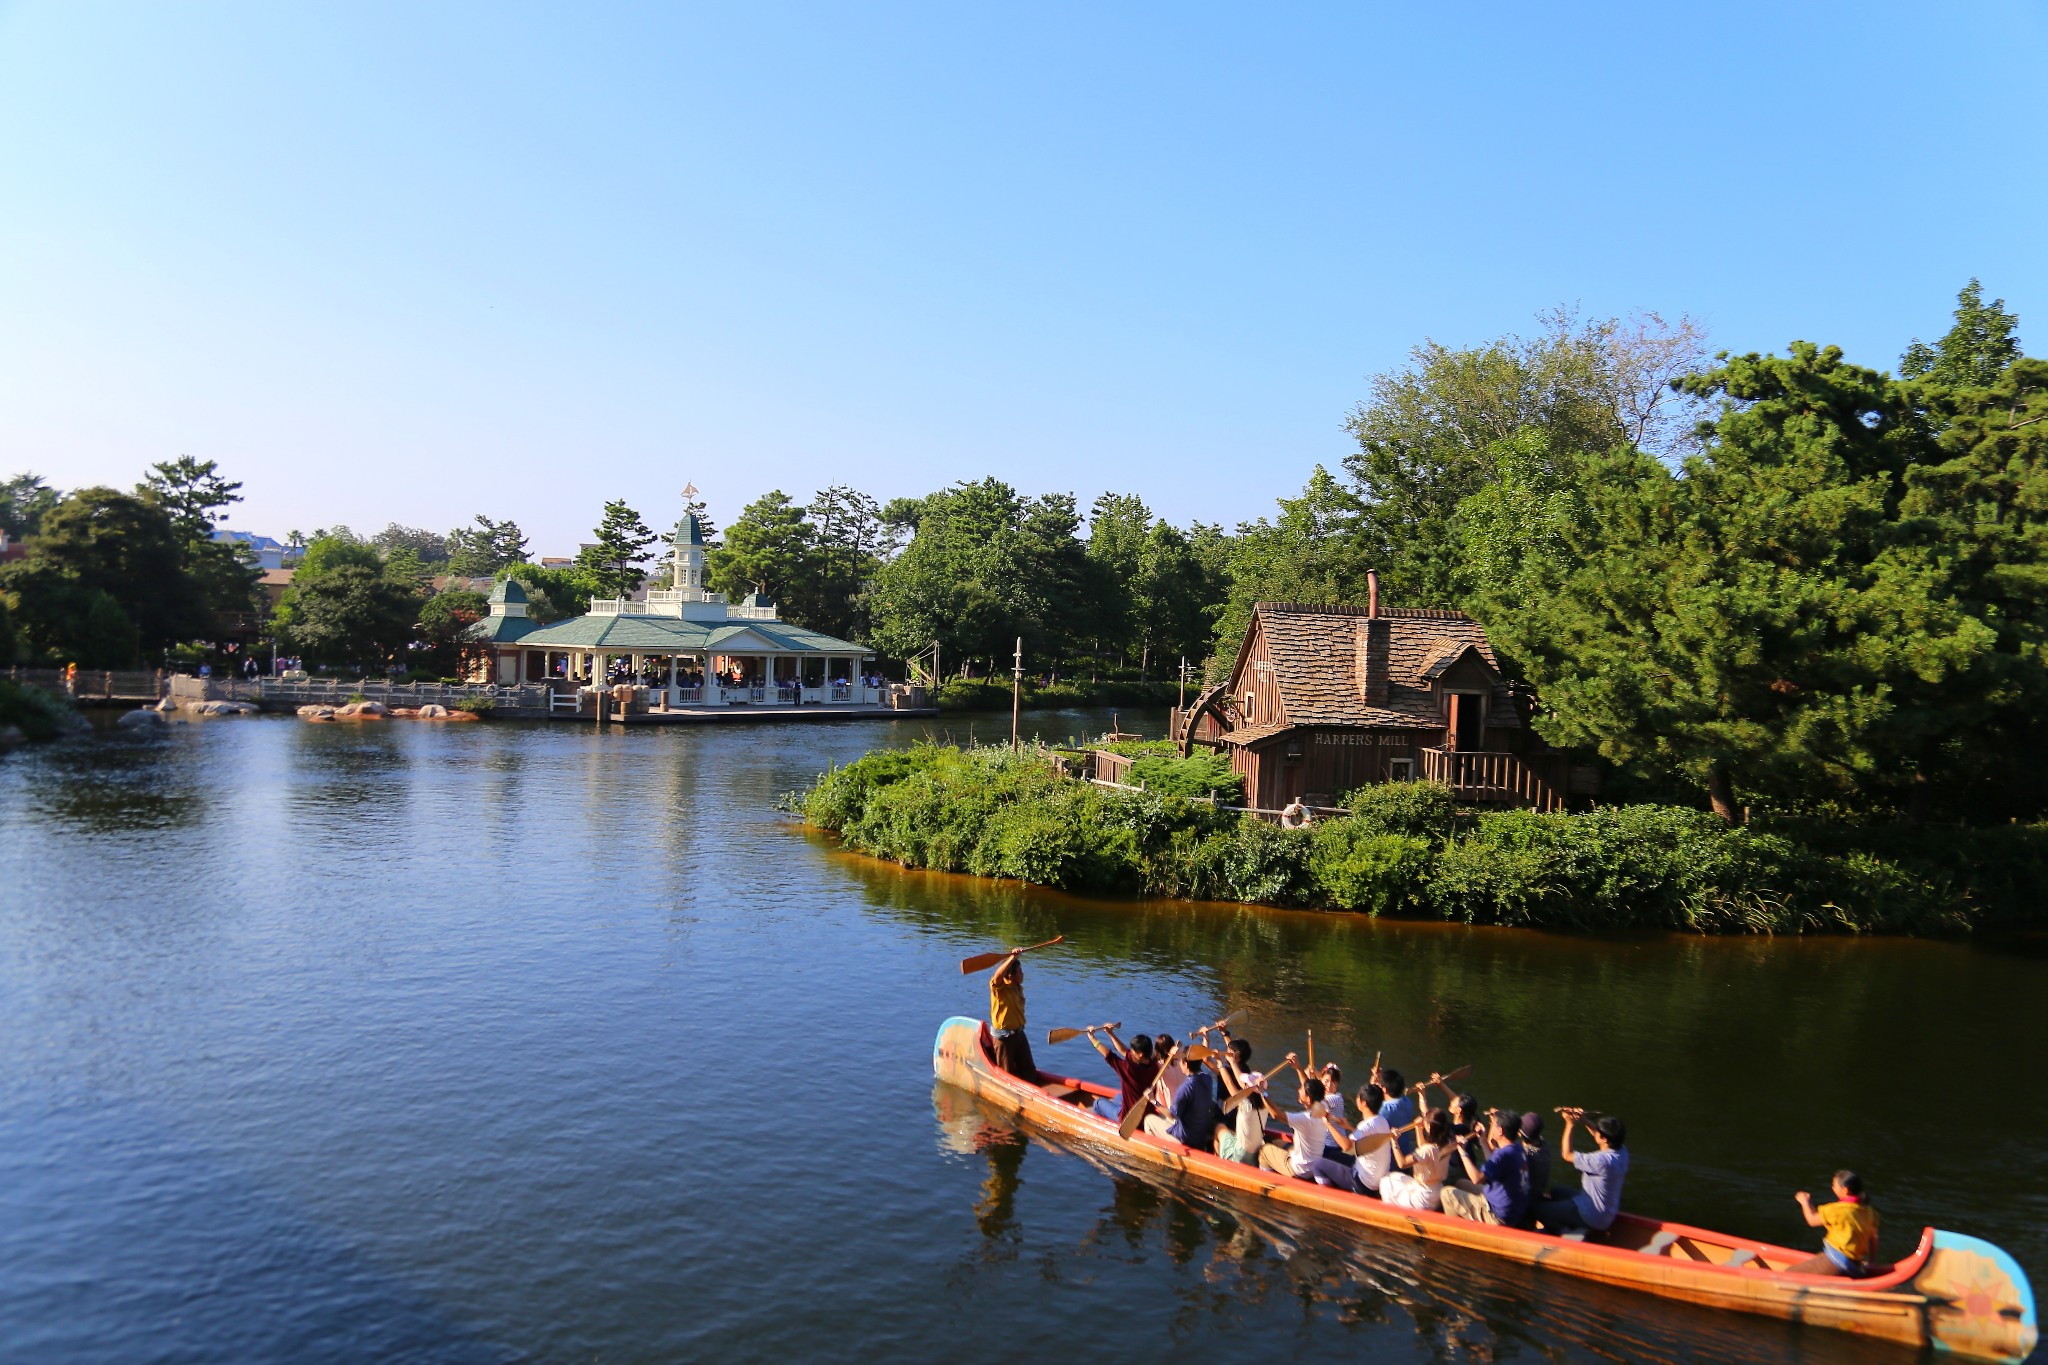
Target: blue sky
x=414, y=262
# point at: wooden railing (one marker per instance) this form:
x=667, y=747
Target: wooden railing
x=94, y=684
x=1486, y=776
x=334, y=691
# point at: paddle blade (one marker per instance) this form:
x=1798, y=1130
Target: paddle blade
x=1460, y=1074
x=1197, y=1054
x=980, y=962
x=1234, y=1019
x=1061, y=1035
x=1133, y=1117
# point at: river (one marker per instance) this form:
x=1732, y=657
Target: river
x=525, y=1042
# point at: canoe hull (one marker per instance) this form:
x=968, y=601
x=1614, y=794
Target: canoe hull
x=1954, y=1293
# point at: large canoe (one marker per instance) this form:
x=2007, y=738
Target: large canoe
x=1954, y=1293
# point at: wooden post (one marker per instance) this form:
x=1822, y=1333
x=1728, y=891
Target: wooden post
x=1183, y=682
x=1016, y=693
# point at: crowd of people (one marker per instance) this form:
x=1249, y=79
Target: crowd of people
x=1486, y=1165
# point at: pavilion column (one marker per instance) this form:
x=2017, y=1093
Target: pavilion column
x=673, y=699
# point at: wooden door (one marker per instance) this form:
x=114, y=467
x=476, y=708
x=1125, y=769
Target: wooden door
x=1467, y=728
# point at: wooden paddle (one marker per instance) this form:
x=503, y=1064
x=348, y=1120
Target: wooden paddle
x=981, y=962
x=1311, y=1052
x=1061, y=1035
x=1238, y=1098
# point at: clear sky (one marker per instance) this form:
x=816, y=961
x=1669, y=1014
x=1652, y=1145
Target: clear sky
x=412, y=262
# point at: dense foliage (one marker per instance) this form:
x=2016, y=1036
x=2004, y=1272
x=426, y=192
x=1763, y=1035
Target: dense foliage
x=1406, y=850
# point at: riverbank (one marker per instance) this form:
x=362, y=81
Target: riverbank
x=1406, y=850
x=993, y=694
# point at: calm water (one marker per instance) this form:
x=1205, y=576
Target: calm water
x=496, y=1042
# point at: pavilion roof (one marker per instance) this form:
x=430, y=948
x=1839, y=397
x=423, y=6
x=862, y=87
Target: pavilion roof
x=668, y=634
x=501, y=630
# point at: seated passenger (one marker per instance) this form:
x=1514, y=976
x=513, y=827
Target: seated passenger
x=1419, y=1181
x=1241, y=1132
x=1851, y=1223
x=1133, y=1063
x=1401, y=1110
x=1601, y=1173
x=1309, y=1128
x=1171, y=1073
x=1369, y=1149
x=1498, y=1191
x=1241, y=1137
x=1196, y=1107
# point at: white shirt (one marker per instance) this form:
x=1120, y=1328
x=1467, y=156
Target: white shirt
x=1310, y=1133
x=1374, y=1165
x=1251, y=1129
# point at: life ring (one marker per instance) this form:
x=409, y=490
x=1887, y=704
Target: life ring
x=1296, y=816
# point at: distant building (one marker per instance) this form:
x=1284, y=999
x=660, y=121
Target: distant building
x=10, y=548
x=1326, y=699
x=273, y=583
x=269, y=553
x=686, y=646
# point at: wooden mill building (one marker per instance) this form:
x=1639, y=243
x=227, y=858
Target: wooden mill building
x=1326, y=699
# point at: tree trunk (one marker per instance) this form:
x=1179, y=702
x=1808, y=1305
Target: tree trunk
x=1721, y=794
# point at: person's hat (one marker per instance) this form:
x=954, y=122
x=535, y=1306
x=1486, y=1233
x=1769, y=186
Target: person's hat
x=1532, y=1125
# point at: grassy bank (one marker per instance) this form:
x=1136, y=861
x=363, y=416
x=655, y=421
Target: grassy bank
x=1407, y=850
x=993, y=694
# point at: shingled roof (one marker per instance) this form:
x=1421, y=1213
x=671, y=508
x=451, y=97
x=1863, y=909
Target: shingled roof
x=1316, y=653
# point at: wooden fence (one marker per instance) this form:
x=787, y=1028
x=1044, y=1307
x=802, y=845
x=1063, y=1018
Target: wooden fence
x=94, y=684
x=1497, y=778
x=337, y=691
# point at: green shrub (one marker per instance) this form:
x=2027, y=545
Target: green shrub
x=1199, y=774
x=37, y=713
x=477, y=706
x=1425, y=809
x=1358, y=867
x=995, y=813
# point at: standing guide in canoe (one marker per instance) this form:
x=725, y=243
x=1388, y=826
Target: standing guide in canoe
x=1006, y=1005
x=1956, y=1292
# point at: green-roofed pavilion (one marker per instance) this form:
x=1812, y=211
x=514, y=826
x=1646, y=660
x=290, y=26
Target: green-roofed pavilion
x=685, y=646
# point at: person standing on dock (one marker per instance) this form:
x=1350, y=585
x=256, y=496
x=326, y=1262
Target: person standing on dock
x=1006, y=1019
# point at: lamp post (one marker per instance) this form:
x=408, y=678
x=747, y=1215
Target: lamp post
x=1016, y=693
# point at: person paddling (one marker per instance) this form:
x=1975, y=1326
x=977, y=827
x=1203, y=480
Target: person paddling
x=1368, y=1148
x=1006, y=1018
x=1310, y=1128
x=1133, y=1063
x=1497, y=1191
x=1851, y=1224
x=1601, y=1172
x=1419, y=1182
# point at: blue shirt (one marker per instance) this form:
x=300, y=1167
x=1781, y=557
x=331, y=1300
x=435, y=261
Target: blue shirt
x=1400, y=1112
x=1196, y=1111
x=1504, y=1179
x=1600, y=1176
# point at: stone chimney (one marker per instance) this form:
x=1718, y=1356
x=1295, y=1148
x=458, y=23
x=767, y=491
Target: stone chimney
x=1372, y=594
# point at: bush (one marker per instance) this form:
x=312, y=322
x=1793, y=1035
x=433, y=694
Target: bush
x=1406, y=850
x=477, y=706
x=1425, y=809
x=1359, y=867
x=1200, y=774
x=37, y=713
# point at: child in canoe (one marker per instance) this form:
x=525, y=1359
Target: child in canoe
x=1851, y=1224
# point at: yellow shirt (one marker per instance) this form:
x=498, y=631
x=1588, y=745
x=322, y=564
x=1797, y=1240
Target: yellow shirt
x=1851, y=1228
x=1005, y=1005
